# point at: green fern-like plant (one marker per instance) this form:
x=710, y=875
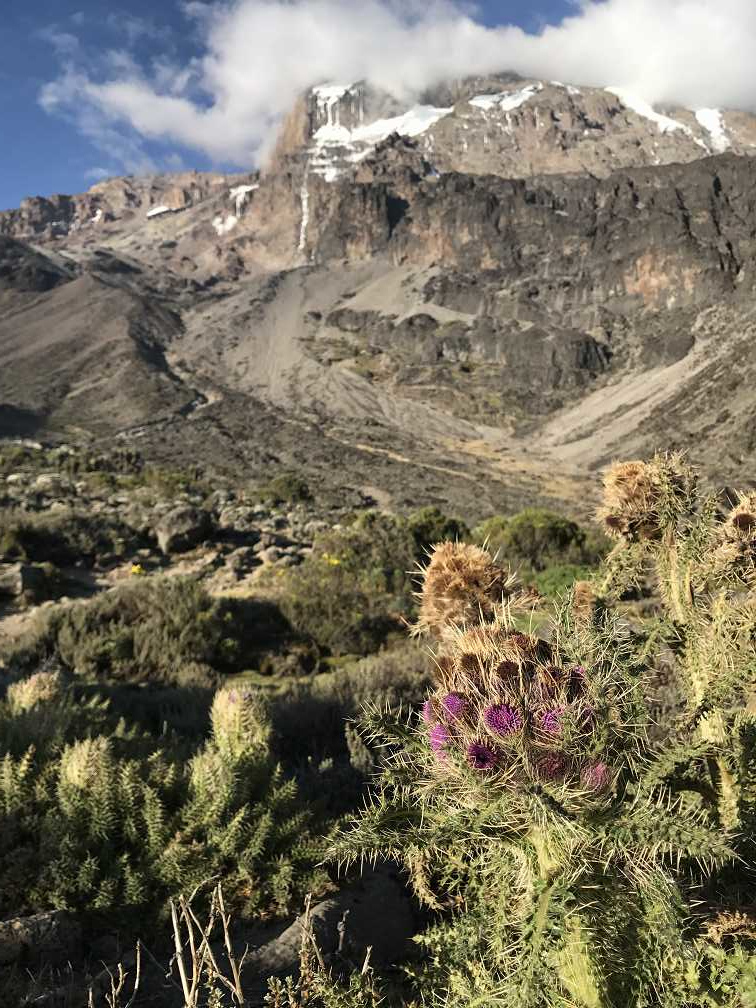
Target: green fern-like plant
x=119, y=820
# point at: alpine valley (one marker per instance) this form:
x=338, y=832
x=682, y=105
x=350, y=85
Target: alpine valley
x=476, y=300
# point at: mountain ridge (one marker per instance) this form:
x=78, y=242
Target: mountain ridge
x=431, y=327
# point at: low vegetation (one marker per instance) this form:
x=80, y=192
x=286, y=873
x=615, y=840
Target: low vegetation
x=98, y=813
x=355, y=589
x=566, y=776
x=148, y=630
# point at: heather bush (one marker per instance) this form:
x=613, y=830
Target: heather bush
x=555, y=581
x=286, y=488
x=575, y=852
x=353, y=591
x=152, y=629
x=429, y=525
x=536, y=539
x=64, y=537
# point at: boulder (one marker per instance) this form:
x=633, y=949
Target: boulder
x=20, y=580
x=51, y=938
x=269, y=555
x=182, y=528
x=376, y=912
x=48, y=483
x=242, y=559
x=237, y=519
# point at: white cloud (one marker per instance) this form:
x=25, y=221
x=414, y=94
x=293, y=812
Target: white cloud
x=97, y=173
x=67, y=97
x=258, y=55
x=64, y=44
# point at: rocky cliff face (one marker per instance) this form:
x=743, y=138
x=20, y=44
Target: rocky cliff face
x=120, y=200
x=508, y=282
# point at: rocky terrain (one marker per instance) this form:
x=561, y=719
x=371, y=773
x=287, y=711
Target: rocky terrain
x=475, y=299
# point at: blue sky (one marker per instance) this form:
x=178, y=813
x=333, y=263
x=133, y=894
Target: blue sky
x=43, y=152
x=90, y=88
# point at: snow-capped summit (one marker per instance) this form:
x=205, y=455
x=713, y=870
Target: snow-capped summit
x=515, y=128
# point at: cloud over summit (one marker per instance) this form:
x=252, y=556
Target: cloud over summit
x=258, y=55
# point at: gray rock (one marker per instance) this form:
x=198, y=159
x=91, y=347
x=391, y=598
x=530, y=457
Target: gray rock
x=220, y=499
x=182, y=528
x=46, y=938
x=48, y=483
x=266, y=539
x=270, y=555
x=242, y=559
x=376, y=913
x=241, y=519
x=20, y=580
x=312, y=528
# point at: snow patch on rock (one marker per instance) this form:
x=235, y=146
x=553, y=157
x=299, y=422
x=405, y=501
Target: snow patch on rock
x=569, y=88
x=223, y=225
x=335, y=147
x=506, y=101
x=240, y=194
x=305, y=199
x=664, y=123
x=328, y=97
x=412, y=123
x=712, y=121
x=158, y=211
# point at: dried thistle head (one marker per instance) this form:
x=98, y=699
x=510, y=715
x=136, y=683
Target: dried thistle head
x=42, y=687
x=642, y=499
x=734, y=551
x=584, y=601
x=463, y=586
x=740, y=524
x=737, y=924
x=240, y=720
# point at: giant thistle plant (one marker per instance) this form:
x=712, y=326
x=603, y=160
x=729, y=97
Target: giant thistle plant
x=702, y=558
x=559, y=845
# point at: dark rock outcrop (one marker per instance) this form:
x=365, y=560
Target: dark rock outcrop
x=182, y=528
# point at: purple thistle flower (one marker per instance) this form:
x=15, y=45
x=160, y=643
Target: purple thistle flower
x=551, y=766
x=595, y=776
x=439, y=738
x=428, y=714
x=502, y=719
x=455, y=704
x=550, y=720
x=480, y=757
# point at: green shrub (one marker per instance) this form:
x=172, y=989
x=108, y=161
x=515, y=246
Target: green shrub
x=554, y=582
x=286, y=488
x=149, y=629
x=354, y=589
x=430, y=525
x=536, y=538
x=64, y=537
